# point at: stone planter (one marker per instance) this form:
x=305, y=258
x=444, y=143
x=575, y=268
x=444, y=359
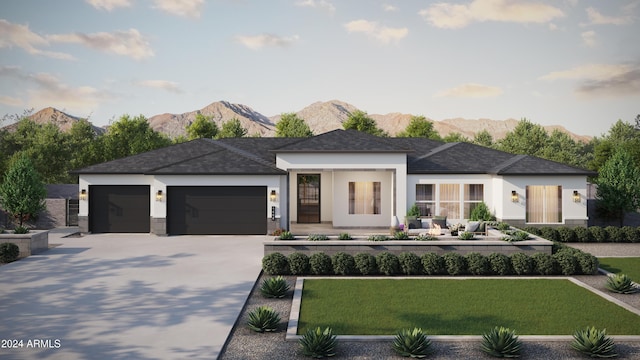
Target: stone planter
x=33, y=242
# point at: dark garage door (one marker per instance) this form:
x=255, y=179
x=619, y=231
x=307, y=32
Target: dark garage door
x=119, y=209
x=220, y=210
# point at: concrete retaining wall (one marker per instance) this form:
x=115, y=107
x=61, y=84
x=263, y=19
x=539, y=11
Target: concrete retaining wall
x=34, y=242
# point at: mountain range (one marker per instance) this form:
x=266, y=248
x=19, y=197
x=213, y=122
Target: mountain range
x=320, y=116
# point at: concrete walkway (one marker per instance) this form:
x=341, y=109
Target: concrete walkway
x=133, y=296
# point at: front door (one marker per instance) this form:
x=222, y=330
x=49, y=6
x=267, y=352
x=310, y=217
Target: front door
x=308, y=198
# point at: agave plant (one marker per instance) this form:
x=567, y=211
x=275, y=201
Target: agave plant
x=275, y=287
x=412, y=343
x=621, y=283
x=593, y=342
x=501, y=342
x=263, y=318
x=318, y=343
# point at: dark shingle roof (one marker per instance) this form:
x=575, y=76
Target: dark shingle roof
x=342, y=141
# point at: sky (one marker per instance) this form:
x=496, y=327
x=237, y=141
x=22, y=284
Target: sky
x=574, y=63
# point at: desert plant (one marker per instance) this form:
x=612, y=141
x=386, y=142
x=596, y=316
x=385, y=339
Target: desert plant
x=567, y=262
x=9, y=252
x=320, y=264
x=466, y=235
x=275, y=264
x=400, y=235
x=631, y=234
x=377, y=238
x=277, y=232
x=21, y=230
x=477, y=264
x=480, y=213
x=549, y=233
x=455, y=264
x=500, y=264
x=582, y=234
x=345, y=236
x=501, y=342
x=343, y=264
x=594, y=343
x=598, y=234
x=388, y=263
x=522, y=264
x=318, y=343
x=286, y=235
x=317, y=237
x=433, y=264
x=544, y=264
x=614, y=234
x=425, y=237
x=502, y=226
x=410, y=263
x=299, y=264
x=274, y=287
x=412, y=343
x=366, y=264
x=263, y=318
x=621, y=284
x=566, y=234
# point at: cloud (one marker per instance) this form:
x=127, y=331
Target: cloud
x=317, y=4
x=454, y=16
x=259, y=41
x=186, y=8
x=471, y=90
x=11, y=101
x=383, y=34
x=589, y=38
x=597, y=18
x=126, y=43
x=109, y=5
x=389, y=7
x=602, y=79
x=161, y=84
x=20, y=36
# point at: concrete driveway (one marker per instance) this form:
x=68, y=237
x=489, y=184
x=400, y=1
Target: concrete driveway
x=127, y=296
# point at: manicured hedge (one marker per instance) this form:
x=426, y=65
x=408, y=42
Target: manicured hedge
x=616, y=234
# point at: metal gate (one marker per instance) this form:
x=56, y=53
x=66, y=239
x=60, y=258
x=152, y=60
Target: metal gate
x=73, y=208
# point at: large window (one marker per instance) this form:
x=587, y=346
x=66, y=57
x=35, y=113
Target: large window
x=544, y=204
x=473, y=195
x=364, y=197
x=448, y=200
x=426, y=199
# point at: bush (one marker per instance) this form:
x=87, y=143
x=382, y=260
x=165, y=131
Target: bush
x=318, y=343
x=501, y=342
x=466, y=235
x=388, y=263
x=522, y=264
x=410, y=263
x=477, y=264
x=502, y=226
x=377, y=238
x=345, y=236
x=21, y=230
x=614, y=234
x=533, y=230
x=594, y=343
x=9, y=252
x=320, y=264
x=366, y=264
x=631, y=234
x=426, y=237
x=286, y=235
x=400, y=235
x=515, y=235
x=544, y=264
x=263, y=319
x=412, y=343
x=317, y=237
x=588, y=263
x=500, y=264
x=566, y=234
x=549, y=233
x=582, y=234
x=299, y=264
x=275, y=264
x=481, y=213
x=598, y=234
x=455, y=264
x=433, y=264
x=343, y=264
x=275, y=287
x=621, y=284
x=567, y=262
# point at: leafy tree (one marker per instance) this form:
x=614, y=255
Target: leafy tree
x=619, y=186
x=359, y=120
x=483, y=138
x=420, y=127
x=22, y=193
x=527, y=138
x=562, y=148
x=290, y=125
x=455, y=137
x=83, y=145
x=202, y=127
x=232, y=128
x=130, y=136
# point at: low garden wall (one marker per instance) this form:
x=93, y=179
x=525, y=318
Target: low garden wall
x=33, y=242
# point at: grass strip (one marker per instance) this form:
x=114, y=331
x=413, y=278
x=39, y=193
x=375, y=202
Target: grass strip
x=458, y=307
x=629, y=266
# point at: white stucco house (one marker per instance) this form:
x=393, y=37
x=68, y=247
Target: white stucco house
x=344, y=178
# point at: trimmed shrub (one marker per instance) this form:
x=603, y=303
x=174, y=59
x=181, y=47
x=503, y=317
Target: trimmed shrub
x=455, y=264
x=594, y=343
x=366, y=264
x=532, y=230
x=299, y=264
x=345, y=236
x=412, y=343
x=410, y=263
x=9, y=252
x=566, y=234
x=318, y=343
x=522, y=264
x=500, y=264
x=275, y=264
x=598, y=234
x=567, y=262
x=544, y=264
x=317, y=237
x=388, y=263
x=501, y=342
x=320, y=264
x=286, y=235
x=263, y=318
x=582, y=234
x=343, y=264
x=549, y=233
x=588, y=263
x=614, y=234
x=631, y=234
x=477, y=264
x=275, y=287
x=433, y=264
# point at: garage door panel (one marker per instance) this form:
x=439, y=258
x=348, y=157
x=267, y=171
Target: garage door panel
x=119, y=209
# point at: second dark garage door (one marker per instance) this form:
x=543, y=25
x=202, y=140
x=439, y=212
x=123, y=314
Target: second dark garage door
x=216, y=210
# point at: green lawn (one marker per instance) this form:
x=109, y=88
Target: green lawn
x=458, y=307
x=629, y=266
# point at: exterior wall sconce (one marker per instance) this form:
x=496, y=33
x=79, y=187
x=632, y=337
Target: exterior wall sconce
x=272, y=196
x=159, y=195
x=83, y=194
x=576, y=196
x=514, y=196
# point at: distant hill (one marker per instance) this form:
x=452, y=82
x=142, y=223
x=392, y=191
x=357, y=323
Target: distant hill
x=320, y=116
x=63, y=120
